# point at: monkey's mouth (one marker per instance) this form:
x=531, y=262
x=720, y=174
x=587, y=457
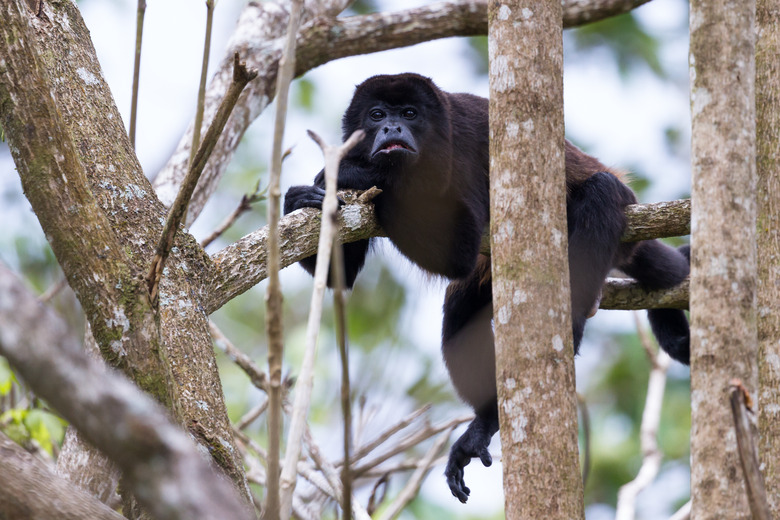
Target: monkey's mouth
x=396, y=146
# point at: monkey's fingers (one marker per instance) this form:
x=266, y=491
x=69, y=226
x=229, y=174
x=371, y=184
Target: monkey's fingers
x=454, y=474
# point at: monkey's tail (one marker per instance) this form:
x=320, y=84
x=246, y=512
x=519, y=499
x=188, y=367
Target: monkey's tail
x=658, y=266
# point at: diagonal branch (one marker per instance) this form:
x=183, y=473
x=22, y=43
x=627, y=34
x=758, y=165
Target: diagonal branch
x=324, y=39
x=178, y=211
x=165, y=470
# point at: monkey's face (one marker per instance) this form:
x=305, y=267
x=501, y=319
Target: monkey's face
x=394, y=129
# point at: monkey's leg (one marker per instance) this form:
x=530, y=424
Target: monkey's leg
x=467, y=346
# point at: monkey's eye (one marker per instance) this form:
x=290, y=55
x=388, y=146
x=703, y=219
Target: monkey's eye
x=409, y=113
x=376, y=115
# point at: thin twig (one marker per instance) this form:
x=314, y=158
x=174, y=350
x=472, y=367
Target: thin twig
x=203, y=74
x=53, y=291
x=409, y=441
x=333, y=156
x=331, y=474
x=339, y=306
x=412, y=487
x=583, y=406
x=648, y=432
x=252, y=415
x=748, y=452
x=257, y=376
x=684, y=513
x=178, y=211
x=139, y=30
x=400, y=425
x=243, y=206
x=276, y=505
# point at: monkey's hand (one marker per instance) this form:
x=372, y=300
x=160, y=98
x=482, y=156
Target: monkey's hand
x=472, y=444
x=298, y=197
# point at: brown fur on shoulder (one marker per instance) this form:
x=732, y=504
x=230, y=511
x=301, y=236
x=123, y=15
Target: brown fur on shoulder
x=580, y=166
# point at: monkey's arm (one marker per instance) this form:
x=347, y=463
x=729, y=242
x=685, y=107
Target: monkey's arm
x=298, y=197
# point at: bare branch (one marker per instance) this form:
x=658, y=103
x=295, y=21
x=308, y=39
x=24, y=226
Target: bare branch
x=29, y=489
x=339, y=308
x=244, y=205
x=651, y=417
x=178, y=211
x=323, y=39
x=256, y=375
x=139, y=31
x=389, y=432
x=657, y=220
x=333, y=156
x=242, y=265
x=276, y=505
x=748, y=453
x=412, y=487
x=200, y=106
x=166, y=472
x=627, y=294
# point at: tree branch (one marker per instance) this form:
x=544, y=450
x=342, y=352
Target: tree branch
x=242, y=264
x=648, y=434
x=103, y=238
x=29, y=489
x=324, y=39
x=178, y=211
x=166, y=472
x=329, y=230
x=745, y=429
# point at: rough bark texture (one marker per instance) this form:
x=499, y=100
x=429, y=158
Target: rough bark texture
x=723, y=263
x=627, y=294
x=768, y=241
x=102, y=218
x=166, y=472
x=29, y=489
x=534, y=355
x=241, y=265
x=657, y=219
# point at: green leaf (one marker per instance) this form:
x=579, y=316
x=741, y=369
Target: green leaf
x=7, y=377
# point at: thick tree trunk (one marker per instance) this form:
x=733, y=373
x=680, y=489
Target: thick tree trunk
x=532, y=309
x=102, y=219
x=723, y=263
x=768, y=241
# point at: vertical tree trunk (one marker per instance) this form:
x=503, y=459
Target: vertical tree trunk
x=723, y=263
x=534, y=358
x=768, y=240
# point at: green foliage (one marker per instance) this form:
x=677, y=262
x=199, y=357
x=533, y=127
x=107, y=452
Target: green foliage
x=39, y=426
x=625, y=38
x=7, y=377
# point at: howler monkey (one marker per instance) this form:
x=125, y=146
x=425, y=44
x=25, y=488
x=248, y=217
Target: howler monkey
x=428, y=151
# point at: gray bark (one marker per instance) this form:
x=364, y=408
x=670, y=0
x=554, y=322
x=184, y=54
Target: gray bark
x=768, y=241
x=723, y=262
x=534, y=354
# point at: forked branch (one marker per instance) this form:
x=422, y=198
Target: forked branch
x=178, y=210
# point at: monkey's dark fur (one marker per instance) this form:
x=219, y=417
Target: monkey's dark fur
x=428, y=151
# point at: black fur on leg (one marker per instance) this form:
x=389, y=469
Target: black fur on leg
x=657, y=266
x=472, y=444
